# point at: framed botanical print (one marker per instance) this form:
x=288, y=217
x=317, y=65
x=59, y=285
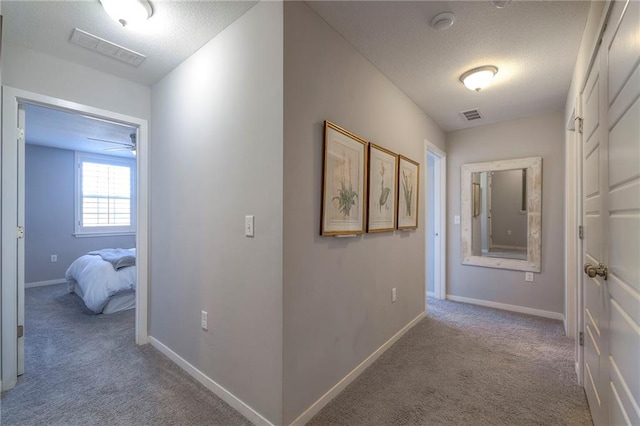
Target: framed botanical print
x=344, y=189
x=408, y=187
x=383, y=184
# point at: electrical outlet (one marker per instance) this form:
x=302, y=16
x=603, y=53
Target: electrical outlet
x=528, y=276
x=203, y=320
x=508, y=231
x=54, y=258
x=394, y=295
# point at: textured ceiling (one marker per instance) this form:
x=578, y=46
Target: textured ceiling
x=533, y=43
x=175, y=31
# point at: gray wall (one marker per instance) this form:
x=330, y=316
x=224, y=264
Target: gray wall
x=337, y=291
x=49, y=215
x=540, y=135
x=508, y=225
x=216, y=156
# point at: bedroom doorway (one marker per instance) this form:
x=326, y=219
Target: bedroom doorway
x=435, y=180
x=18, y=105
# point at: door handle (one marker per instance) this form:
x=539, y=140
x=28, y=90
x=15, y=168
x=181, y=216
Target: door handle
x=592, y=271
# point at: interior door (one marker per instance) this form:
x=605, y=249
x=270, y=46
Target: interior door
x=20, y=241
x=611, y=165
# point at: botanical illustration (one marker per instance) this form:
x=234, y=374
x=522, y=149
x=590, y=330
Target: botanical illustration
x=383, y=166
x=344, y=196
x=408, y=197
x=407, y=188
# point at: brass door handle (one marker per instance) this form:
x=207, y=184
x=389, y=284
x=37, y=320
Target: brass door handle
x=592, y=271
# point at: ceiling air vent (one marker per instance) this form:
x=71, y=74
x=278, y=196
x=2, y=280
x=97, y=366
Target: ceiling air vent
x=471, y=114
x=89, y=41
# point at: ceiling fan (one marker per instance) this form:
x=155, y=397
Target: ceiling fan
x=124, y=146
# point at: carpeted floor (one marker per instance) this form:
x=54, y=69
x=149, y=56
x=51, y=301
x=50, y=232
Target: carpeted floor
x=463, y=365
x=84, y=369
x=467, y=365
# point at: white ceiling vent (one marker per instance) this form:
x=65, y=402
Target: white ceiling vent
x=471, y=114
x=89, y=41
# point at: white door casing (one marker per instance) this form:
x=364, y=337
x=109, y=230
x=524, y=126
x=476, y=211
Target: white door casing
x=440, y=184
x=611, y=205
x=12, y=259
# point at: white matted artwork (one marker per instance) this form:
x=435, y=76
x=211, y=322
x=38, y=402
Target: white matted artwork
x=343, y=182
x=383, y=175
x=408, y=181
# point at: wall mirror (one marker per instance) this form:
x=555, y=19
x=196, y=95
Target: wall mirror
x=501, y=223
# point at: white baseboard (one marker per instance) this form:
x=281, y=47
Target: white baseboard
x=431, y=294
x=44, y=283
x=351, y=376
x=507, y=307
x=251, y=415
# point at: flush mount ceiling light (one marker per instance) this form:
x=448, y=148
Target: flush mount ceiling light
x=128, y=12
x=500, y=3
x=442, y=21
x=478, y=78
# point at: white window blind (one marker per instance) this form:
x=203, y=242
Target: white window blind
x=105, y=196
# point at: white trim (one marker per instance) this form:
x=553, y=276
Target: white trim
x=351, y=376
x=11, y=97
x=431, y=294
x=45, y=283
x=235, y=402
x=507, y=307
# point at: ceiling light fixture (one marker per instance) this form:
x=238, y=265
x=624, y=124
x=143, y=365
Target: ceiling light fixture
x=128, y=12
x=500, y=3
x=478, y=78
x=442, y=21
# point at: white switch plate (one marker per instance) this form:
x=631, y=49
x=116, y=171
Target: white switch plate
x=456, y=220
x=54, y=258
x=393, y=294
x=204, y=320
x=248, y=225
x=528, y=276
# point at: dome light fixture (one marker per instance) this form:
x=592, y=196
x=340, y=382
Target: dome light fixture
x=478, y=78
x=128, y=12
x=443, y=21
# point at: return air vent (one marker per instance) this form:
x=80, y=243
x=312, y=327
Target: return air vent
x=89, y=41
x=471, y=114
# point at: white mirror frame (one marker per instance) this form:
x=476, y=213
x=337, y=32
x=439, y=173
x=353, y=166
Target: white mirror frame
x=534, y=213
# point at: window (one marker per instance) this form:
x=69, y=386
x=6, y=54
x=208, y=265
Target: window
x=105, y=196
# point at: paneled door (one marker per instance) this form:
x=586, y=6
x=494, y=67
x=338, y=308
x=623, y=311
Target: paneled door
x=611, y=206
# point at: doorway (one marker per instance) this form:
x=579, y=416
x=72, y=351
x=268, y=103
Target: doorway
x=13, y=195
x=435, y=179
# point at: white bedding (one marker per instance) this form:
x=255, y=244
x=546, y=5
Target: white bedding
x=98, y=280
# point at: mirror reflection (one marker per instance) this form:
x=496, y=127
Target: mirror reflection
x=499, y=224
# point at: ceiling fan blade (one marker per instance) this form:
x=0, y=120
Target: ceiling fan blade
x=124, y=148
x=108, y=141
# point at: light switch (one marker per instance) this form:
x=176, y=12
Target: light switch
x=528, y=276
x=248, y=225
x=456, y=220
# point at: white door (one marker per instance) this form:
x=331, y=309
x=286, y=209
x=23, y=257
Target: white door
x=611, y=205
x=20, y=272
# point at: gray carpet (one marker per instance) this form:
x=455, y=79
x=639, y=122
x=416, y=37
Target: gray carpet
x=85, y=369
x=467, y=365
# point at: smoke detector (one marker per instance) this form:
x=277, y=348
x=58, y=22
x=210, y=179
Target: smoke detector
x=442, y=21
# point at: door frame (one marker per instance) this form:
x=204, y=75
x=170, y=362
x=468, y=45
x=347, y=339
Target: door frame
x=440, y=224
x=11, y=98
x=575, y=261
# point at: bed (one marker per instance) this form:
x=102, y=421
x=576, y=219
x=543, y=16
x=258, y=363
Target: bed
x=104, y=279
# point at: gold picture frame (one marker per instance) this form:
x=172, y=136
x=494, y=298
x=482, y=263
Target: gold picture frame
x=382, y=214
x=408, y=193
x=344, y=186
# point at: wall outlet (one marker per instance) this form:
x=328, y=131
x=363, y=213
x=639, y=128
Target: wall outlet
x=528, y=276
x=204, y=320
x=394, y=295
x=509, y=232
x=54, y=258
x=456, y=220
